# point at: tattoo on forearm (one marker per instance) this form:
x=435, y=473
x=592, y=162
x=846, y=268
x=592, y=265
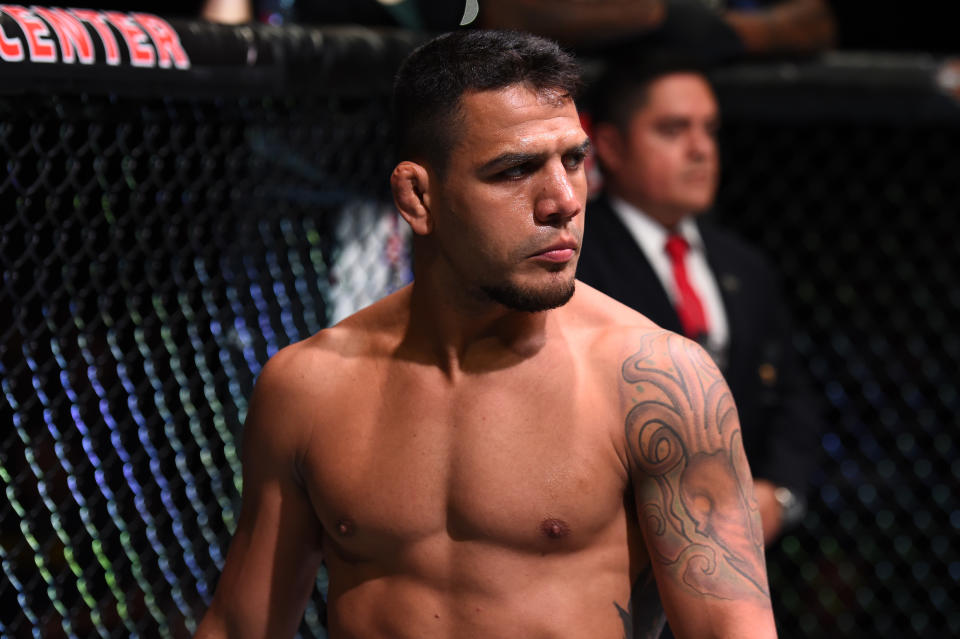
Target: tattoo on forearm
x=702, y=524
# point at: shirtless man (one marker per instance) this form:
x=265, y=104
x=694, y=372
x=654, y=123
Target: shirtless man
x=492, y=451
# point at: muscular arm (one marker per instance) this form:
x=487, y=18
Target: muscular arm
x=275, y=553
x=574, y=22
x=693, y=491
x=794, y=26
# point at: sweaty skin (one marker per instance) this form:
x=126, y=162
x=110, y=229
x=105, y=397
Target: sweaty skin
x=470, y=471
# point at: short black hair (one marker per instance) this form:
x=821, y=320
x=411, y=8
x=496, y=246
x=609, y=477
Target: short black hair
x=432, y=79
x=623, y=85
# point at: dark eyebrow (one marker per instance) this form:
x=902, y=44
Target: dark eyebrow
x=674, y=119
x=517, y=159
x=684, y=120
x=582, y=148
x=510, y=159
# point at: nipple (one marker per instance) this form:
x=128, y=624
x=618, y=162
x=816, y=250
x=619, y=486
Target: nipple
x=555, y=528
x=345, y=527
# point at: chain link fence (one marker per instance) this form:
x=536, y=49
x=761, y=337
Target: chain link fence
x=847, y=178
x=155, y=254
x=157, y=250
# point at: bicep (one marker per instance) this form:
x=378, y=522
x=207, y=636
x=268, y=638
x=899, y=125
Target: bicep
x=692, y=485
x=275, y=552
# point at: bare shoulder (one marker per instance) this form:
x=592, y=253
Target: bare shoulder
x=675, y=398
x=611, y=332
x=309, y=379
x=303, y=369
x=617, y=332
x=600, y=310
x=279, y=421
x=643, y=364
x=318, y=363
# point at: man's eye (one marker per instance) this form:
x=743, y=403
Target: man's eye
x=574, y=160
x=514, y=172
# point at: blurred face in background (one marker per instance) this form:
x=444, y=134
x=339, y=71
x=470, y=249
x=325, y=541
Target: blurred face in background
x=666, y=161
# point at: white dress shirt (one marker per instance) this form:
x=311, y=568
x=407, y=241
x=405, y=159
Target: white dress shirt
x=651, y=237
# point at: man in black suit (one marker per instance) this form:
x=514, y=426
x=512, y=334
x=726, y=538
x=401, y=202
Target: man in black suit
x=654, y=129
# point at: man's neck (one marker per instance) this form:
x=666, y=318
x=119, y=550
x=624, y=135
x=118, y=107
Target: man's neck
x=468, y=334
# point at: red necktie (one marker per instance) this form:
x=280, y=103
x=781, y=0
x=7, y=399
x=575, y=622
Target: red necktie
x=692, y=318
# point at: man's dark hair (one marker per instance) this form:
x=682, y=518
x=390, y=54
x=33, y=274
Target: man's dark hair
x=623, y=86
x=433, y=78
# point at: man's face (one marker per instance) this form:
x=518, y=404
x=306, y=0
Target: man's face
x=666, y=162
x=508, y=212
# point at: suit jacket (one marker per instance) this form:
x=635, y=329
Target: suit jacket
x=779, y=417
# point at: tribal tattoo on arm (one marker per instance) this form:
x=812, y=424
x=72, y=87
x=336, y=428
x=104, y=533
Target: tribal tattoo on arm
x=694, y=500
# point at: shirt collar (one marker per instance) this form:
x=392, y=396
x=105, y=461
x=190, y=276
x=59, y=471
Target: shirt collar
x=650, y=234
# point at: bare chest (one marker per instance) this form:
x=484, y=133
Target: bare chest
x=519, y=466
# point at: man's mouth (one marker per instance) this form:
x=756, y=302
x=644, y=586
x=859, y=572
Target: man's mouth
x=561, y=251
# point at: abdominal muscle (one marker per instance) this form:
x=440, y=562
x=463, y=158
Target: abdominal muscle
x=466, y=589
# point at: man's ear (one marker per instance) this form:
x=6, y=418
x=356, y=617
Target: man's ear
x=409, y=183
x=608, y=145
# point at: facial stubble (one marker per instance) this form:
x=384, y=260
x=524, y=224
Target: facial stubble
x=529, y=299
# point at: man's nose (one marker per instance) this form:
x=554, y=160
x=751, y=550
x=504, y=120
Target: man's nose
x=559, y=198
x=702, y=143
